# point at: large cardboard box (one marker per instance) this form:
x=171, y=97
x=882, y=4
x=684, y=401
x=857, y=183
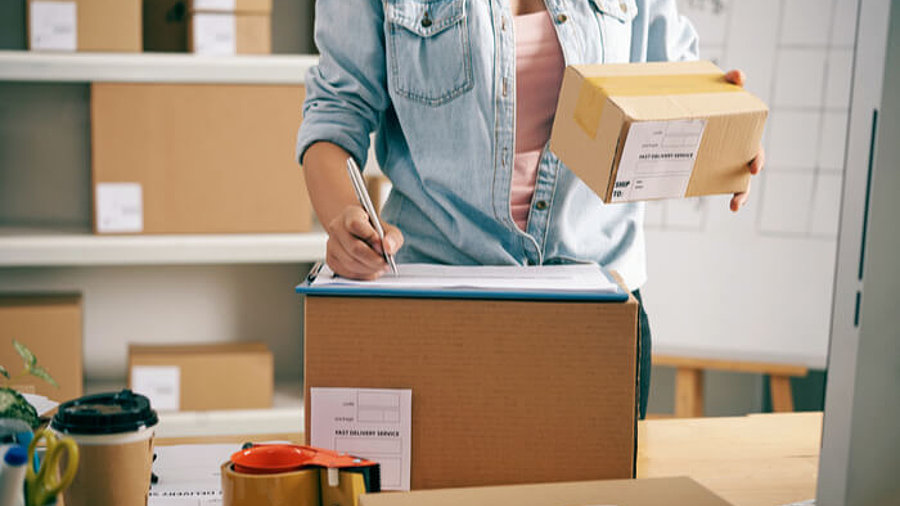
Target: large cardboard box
x=202, y=377
x=85, y=25
x=51, y=327
x=643, y=492
x=503, y=392
x=208, y=27
x=196, y=158
x=656, y=130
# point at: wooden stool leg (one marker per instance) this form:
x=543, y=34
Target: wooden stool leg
x=688, y=392
x=782, y=399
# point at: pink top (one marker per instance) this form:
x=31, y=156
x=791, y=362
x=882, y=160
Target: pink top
x=539, y=72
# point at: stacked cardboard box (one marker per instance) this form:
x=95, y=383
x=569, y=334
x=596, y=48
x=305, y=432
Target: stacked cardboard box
x=503, y=392
x=219, y=27
x=197, y=158
x=85, y=25
x=202, y=376
x=51, y=327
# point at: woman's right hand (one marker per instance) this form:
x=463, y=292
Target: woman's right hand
x=354, y=249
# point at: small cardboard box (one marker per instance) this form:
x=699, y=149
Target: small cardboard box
x=85, y=25
x=196, y=158
x=202, y=377
x=503, y=392
x=643, y=492
x=644, y=131
x=208, y=27
x=51, y=327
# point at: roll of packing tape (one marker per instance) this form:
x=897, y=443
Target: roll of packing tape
x=294, y=488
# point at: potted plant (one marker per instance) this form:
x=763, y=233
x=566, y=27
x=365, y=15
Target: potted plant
x=12, y=404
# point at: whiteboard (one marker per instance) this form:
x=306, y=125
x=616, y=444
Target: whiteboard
x=757, y=285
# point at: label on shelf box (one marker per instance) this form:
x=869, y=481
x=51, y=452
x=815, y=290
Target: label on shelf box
x=119, y=207
x=214, y=33
x=160, y=383
x=214, y=5
x=52, y=25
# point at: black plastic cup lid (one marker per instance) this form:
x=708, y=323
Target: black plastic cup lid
x=106, y=413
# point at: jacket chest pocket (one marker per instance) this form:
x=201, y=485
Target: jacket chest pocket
x=614, y=18
x=428, y=50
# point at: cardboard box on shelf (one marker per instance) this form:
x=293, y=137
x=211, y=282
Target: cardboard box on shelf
x=642, y=492
x=196, y=158
x=200, y=377
x=503, y=392
x=85, y=25
x=644, y=131
x=208, y=27
x=51, y=327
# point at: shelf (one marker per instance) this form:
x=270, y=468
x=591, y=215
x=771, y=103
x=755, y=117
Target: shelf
x=44, y=249
x=154, y=67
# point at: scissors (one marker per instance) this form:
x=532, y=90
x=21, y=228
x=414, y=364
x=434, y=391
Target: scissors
x=41, y=488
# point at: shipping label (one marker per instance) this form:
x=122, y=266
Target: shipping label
x=657, y=159
x=53, y=26
x=119, y=207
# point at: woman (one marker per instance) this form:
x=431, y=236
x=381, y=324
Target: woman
x=461, y=96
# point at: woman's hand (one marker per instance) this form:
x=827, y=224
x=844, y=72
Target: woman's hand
x=755, y=165
x=354, y=249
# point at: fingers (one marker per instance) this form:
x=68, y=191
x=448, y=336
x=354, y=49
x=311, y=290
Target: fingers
x=739, y=199
x=353, y=248
x=393, y=239
x=736, y=77
x=757, y=164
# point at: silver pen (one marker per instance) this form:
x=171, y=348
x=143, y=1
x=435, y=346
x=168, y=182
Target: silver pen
x=359, y=186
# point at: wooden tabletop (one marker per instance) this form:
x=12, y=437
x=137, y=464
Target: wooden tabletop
x=767, y=459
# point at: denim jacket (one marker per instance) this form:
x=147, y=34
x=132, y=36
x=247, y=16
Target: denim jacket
x=435, y=81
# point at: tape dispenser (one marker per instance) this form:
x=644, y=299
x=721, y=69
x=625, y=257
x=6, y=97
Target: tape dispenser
x=286, y=474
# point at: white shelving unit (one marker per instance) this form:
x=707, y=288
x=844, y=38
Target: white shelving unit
x=151, y=288
x=35, y=250
x=153, y=68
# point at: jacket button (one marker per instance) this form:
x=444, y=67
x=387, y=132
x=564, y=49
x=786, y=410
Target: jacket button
x=426, y=21
x=540, y=205
x=561, y=18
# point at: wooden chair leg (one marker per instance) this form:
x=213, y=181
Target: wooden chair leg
x=688, y=392
x=782, y=399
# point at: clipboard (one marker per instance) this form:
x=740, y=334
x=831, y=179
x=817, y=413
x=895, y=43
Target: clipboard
x=612, y=291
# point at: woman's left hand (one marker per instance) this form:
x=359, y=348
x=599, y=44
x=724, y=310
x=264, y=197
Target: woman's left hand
x=755, y=165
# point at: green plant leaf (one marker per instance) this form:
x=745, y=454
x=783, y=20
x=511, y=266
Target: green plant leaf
x=4, y=372
x=25, y=353
x=42, y=373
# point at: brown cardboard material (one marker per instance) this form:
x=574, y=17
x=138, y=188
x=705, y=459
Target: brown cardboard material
x=106, y=25
x=600, y=105
x=213, y=376
x=643, y=492
x=503, y=392
x=208, y=158
x=51, y=327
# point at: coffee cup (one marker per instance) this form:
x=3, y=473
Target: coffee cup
x=114, y=433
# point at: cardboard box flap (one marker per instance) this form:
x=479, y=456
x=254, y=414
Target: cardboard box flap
x=699, y=105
